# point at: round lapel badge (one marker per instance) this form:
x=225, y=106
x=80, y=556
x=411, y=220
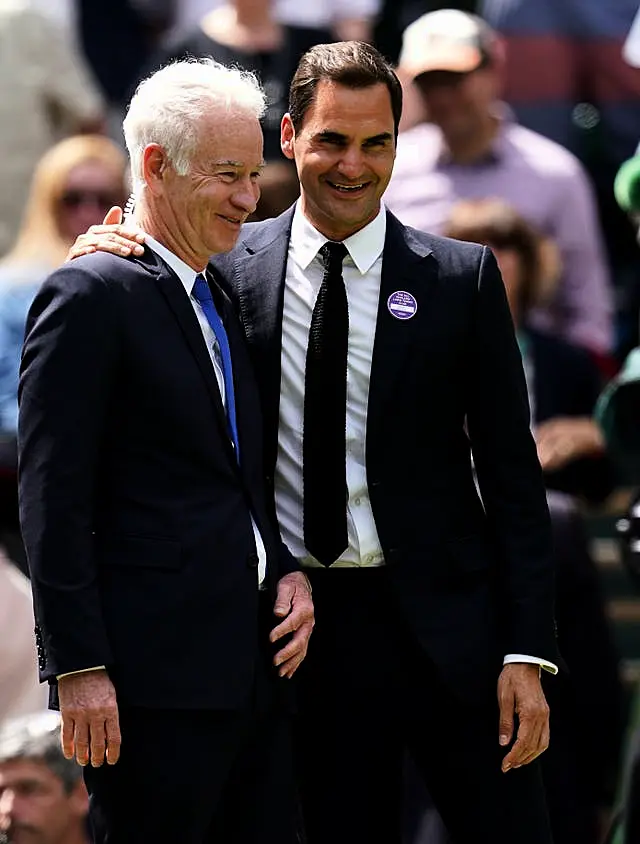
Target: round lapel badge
x=402, y=305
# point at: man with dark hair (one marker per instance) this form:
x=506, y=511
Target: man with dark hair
x=384, y=356
x=42, y=797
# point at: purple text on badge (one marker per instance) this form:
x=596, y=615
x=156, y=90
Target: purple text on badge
x=402, y=305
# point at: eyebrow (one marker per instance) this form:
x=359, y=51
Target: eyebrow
x=229, y=163
x=329, y=135
x=383, y=136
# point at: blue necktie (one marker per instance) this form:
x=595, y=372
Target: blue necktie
x=202, y=294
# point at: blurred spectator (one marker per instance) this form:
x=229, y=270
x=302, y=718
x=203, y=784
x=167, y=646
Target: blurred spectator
x=42, y=795
x=563, y=385
x=73, y=186
x=564, y=382
x=46, y=93
x=567, y=77
x=243, y=33
x=118, y=38
x=311, y=23
x=396, y=15
x=20, y=690
x=473, y=149
x=576, y=49
x=343, y=20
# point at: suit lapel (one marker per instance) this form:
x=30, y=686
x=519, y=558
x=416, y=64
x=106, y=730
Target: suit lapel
x=173, y=291
x=406, y=268
x=259, y=274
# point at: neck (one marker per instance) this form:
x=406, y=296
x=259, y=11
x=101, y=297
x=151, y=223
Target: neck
x=327, y=226
x=169, y=234
x=246, y=25
x=252, y=13
x=76, y=835
x=471, y=147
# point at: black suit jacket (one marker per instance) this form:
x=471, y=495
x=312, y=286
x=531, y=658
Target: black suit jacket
x=135, y=514
x=475, y=581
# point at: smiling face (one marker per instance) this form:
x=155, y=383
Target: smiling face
x=200, y=214
x=344, y=154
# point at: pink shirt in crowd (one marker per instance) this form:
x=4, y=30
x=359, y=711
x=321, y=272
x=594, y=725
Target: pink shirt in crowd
x=546, y=184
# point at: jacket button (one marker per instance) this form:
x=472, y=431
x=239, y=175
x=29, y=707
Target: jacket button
x=252, y=561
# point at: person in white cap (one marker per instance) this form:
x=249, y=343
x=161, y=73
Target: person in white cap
x=469, y=147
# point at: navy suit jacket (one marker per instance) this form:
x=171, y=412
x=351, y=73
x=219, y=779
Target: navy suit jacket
x=474, y=578
x=134, y=511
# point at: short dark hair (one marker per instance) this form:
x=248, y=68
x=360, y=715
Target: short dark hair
x=354, y=64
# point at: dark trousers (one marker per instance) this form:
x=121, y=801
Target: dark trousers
x=368, y=693
x=201, y=777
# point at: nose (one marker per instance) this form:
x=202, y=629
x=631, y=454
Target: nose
x=7, y=800
x=246, y=195
x=350, y=164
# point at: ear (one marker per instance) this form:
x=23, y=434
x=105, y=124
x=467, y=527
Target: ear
x=287, y=136
x=154, y=164
x=79, y=799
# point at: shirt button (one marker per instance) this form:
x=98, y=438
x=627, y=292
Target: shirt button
x=358, y=502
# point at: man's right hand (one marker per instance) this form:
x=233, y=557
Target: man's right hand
x=90, y=722
x=111, y=236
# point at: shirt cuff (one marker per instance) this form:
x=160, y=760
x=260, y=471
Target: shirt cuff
x=533, y=660
x=81, y=671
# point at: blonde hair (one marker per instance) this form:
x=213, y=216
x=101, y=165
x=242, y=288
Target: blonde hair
x=167, y=106
x=40, y=238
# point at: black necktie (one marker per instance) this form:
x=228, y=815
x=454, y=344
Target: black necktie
x=325, y=414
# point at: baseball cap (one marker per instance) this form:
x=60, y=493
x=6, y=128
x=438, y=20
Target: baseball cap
x=447, y=39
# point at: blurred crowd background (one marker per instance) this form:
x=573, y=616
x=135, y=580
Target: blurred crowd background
x=521, y=131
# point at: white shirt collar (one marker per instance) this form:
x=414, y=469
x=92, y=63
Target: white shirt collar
x=364, y=247
x=185, y=273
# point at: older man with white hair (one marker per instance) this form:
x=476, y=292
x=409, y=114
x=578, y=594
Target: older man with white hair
x=161, y=587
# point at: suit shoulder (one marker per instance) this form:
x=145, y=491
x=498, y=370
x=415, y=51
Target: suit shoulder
x=97, y=270
x=456, y=255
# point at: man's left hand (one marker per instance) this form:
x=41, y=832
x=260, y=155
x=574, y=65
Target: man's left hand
x=520, y=692
x=294, y=604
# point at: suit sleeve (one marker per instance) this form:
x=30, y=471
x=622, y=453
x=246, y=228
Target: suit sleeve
x=69, y=361
x=287, y=562
x=509, y=474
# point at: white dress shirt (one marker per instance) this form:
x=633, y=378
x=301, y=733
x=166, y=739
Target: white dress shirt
x=188, y=277
x=362, y=271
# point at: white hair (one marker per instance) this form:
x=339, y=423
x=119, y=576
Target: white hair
x=168, y=105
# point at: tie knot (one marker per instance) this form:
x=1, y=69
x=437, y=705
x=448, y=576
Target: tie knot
x=332, y=255
x=201, y=290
